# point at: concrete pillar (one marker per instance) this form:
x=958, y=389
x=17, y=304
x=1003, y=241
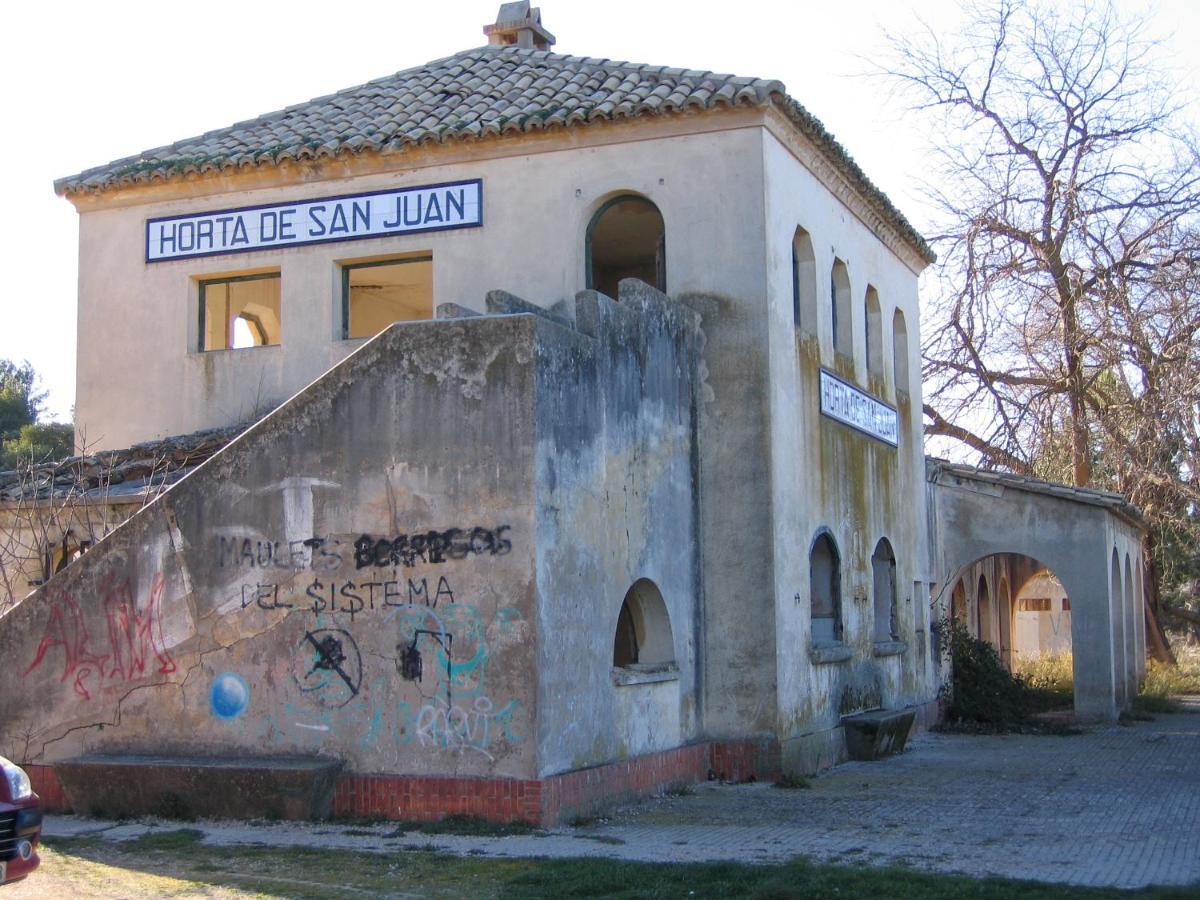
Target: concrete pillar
x=1131, y=606
x=1116, y=600
x=1091, y=638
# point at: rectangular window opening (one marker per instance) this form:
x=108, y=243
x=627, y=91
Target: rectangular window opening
x=239, y=311
x=376, y=294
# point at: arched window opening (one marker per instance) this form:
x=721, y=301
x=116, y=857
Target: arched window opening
x=626, y=239
x=983, y=601
x=625, y=645
x=958, y=605
x=804, y=282
x=883, y=570
x=900, y=352
x=839, y=295
x=643, y=637
x=825, y=590
x=874, y=333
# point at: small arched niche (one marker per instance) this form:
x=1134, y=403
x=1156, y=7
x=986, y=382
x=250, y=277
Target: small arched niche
x=839, y=295
x=900, y=352
x=874, y=320
x=626, y=239
x=804, y=282
x=643, y=639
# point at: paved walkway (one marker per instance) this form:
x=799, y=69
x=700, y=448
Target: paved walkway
x=1119, y=806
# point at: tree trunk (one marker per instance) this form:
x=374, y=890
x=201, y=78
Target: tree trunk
x=1159, y=647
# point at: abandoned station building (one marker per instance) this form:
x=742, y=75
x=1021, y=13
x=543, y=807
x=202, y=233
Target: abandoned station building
x=593, y=459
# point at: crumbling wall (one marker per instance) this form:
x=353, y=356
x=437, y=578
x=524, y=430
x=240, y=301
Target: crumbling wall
x=616, y=503
x=351, y=577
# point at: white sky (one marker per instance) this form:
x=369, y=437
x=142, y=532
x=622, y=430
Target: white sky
x=91, y=82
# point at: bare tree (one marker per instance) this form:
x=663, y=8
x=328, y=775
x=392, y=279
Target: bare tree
x=51, y=512
x=1061, y=337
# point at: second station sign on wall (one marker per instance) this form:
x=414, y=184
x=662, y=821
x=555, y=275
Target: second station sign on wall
x=436, y=207
x=847, y=404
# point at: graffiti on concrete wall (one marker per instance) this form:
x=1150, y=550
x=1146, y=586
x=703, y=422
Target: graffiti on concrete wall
x=349, y=598
x=131, y=649
x=229, y=695
x=389, y=651
x=328, y=666
x=472, y=726
x=331, y=553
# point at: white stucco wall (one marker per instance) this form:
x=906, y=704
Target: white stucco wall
x=140, y=377
x=826, y=475
x=732, y=187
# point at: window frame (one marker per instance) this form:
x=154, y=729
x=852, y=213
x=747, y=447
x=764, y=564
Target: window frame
x=347, y=266
x=205, y=283
x=836, y=617
x=884, y=557
x=660, y=261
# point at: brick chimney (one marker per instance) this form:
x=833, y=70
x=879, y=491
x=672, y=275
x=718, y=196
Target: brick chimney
x=519, y=26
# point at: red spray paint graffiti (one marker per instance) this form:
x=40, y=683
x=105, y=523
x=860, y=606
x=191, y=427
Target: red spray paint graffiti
x=134, y=636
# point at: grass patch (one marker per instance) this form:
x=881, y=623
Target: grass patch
x=1164, y=683
x=792, y=783
x=465, y=825
x=1050, y=677
x=311, y=872
x=679, y=789
x=176, y=839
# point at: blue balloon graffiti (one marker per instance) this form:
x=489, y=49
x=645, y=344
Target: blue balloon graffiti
x=229, y=695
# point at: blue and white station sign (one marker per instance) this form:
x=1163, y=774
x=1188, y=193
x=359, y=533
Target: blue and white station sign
x=435, y=207
x=844, y=402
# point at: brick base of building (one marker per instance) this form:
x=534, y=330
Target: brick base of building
x=47, y=787
x=541, y=801
x=557, y=798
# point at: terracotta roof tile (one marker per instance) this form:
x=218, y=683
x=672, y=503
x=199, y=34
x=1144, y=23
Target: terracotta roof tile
x=480, y=92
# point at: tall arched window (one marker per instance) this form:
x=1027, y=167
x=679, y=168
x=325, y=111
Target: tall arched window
x=643, y=637
x=883, y=573
x=804, y=282
x=900, y=352
x=825, y=590
x=839, y=295
x=626, y=239
x=874, y=332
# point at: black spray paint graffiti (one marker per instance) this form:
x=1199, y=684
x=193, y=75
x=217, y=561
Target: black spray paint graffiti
x=410, y=664
x=328, y=666
x=431, y=546
x=326, y=554
x=316, y=553
x=349, y=597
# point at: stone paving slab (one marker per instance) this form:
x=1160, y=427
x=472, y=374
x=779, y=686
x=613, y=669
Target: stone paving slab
x=1118, y=806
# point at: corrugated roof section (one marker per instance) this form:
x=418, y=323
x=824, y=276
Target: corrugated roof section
x=471, y=95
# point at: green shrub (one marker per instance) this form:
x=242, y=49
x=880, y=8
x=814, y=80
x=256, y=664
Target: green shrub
x=981, y=690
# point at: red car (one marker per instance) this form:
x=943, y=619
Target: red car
x=20, y=823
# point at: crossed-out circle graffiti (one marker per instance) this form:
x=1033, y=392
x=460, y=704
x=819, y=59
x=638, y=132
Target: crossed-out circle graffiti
x=328, y=666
